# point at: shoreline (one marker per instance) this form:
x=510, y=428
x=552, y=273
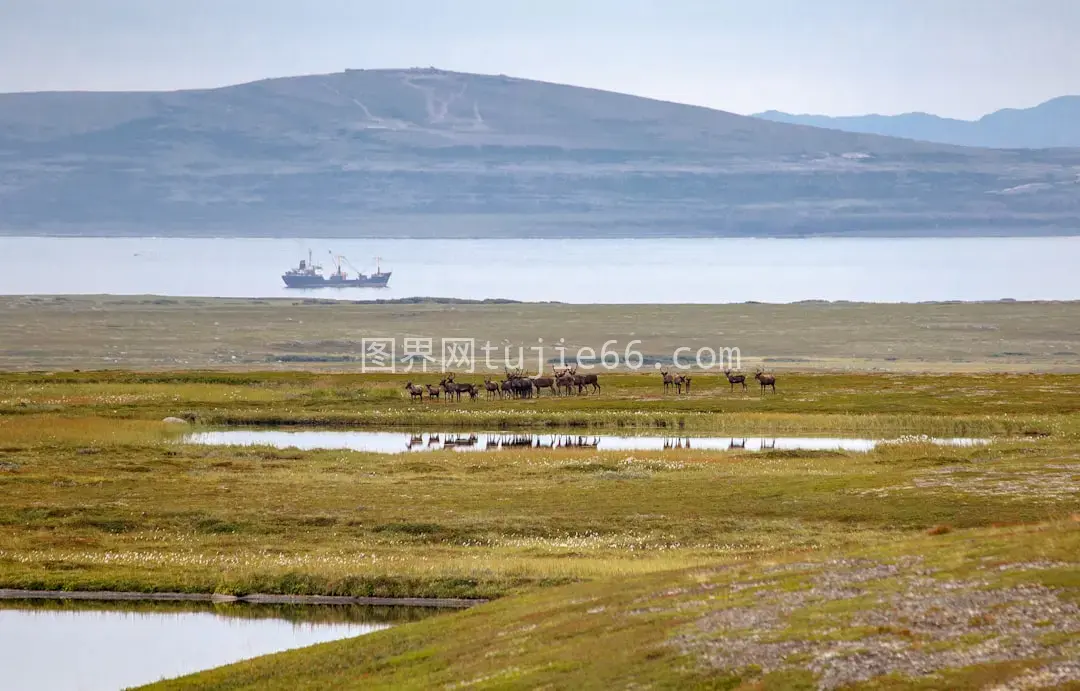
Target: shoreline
x=308, y=299
x=221, y=598
x=981, y=233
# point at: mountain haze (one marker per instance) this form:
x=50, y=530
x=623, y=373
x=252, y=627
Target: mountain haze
x=424, y=152
x=1055, y=123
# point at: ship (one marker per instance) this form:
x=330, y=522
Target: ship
x=309, y=275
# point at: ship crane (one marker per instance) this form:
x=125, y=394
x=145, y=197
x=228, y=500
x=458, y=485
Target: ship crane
x=341, y=258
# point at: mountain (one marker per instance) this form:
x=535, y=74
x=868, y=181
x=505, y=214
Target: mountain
x=425, y=152
x=1054, y=123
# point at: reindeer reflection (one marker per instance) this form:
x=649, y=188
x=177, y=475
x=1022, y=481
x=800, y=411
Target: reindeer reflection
x=460, y=441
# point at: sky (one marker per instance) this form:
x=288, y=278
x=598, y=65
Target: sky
x=956, y=58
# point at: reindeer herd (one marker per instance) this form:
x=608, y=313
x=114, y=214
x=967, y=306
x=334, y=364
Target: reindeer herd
x=682, y=381
x=517, y=384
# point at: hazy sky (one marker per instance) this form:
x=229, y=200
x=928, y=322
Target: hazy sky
x=960, y=58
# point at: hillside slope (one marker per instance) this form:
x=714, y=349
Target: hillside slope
x=974, y=610
x=1055, y=123
x=428, y=152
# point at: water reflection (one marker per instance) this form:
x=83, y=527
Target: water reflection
x=403, y=442
x=118, y=645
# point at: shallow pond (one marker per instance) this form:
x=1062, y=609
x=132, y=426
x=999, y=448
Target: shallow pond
x=92, y=647
x=401, y=442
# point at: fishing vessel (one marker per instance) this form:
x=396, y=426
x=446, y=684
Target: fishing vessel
x=309, y=275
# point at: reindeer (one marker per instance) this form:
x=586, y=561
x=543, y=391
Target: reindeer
x=521, y=386
x=682, y=380
x=447, y=385
x=734, y=379
x=541, y=382
x=433, y=391
x=414, y=440
x=583, y=380
x=564, y=380
x=766, y=380
x=414, y=391
x=491, y=387
x=507, y=388
x=669, y=380
x=453, y=388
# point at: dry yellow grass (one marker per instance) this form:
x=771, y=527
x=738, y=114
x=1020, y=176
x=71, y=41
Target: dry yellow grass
x=171, y=333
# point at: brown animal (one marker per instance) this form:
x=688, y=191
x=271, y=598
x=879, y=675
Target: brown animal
x=766, y=380
x=540, y=382
x=682, y=380
x=669, y=380
x=734, y=379
x=583, y=380
x=491, y=387
x=455, y=389
x=432, y=391
x=564, y=380
x=414, y=391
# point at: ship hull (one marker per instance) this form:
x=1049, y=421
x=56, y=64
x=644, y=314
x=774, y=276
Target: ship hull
x=373, y=281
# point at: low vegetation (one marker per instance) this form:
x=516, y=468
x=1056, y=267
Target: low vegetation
x=607, y=567
x=976, y=609
x=155, y=333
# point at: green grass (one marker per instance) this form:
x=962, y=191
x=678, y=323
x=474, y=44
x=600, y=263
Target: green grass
x=109, y=501
x=97, y=494
x=662, y=630
x=968, y=404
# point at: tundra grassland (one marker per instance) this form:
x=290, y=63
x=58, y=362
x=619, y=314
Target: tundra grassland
x=158, y=333
x=990, y=608
x=912, y=564
x=99, y=494
x=100, y=503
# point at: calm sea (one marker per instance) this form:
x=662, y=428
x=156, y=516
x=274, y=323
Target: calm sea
x=575, y=271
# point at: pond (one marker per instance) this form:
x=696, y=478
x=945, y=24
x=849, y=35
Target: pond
x=402, y=442
x=50, y=645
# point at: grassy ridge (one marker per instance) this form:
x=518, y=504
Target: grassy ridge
x=684, y=629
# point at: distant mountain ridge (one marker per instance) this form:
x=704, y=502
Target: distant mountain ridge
x=1055, y=123
x=426, y=152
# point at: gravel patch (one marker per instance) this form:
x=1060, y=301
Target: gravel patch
x=914, y=627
